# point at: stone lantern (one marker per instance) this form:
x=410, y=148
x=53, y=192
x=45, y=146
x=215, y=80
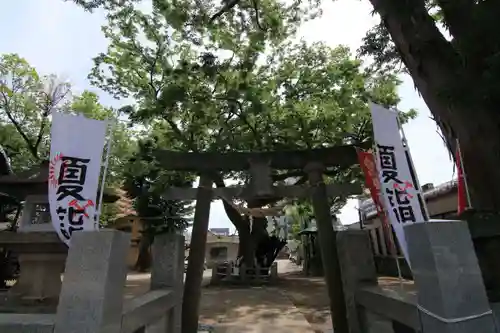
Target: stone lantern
x=40, y=252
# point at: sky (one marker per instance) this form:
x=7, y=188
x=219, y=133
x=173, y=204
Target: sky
x=59, y=38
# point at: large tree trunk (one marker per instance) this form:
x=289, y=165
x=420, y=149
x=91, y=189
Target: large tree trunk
x=246, y=246
x=257, y=237
x=143, y=263
x=480, y=148
x=456, y=81
x=450, y=89
x=251, y=236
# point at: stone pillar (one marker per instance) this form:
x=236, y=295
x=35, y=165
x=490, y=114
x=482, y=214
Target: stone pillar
x=328, y=246
x=215, y=278
x=358, y=270
x=451, y=293
x=194, y=273
x=94, y=280
x=167, y=271
x=274, y=271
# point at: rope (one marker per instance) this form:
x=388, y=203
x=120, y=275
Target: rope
x=453, y=320
x=255, y=212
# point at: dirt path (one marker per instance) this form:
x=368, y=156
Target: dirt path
x=295, y=304
x=256, y=310
x=310, y=296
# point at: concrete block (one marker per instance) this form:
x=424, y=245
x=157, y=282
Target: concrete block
x=358, y=269
x=168, y=272
x=167, y=269
x=91, y=298
x=448, y=279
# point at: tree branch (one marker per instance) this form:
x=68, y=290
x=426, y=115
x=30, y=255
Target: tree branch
x=257, y=137
x=255, y=4
x=227, y=7
x=55, y=97
x=431, y=60
x=41, y=131
x=420, y=43
x=457, y=17
x=231, y=212
x=18, y=127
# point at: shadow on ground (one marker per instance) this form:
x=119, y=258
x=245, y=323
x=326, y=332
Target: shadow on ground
x=310, y=296
x=252, y=309
x=296, y=304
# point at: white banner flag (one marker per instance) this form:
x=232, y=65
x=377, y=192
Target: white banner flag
x=75, y=164
x=399, y=185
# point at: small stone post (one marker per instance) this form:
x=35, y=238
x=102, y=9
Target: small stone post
x=328, y=246
x=215, y=278
x=167, y=271
x=358, y=269
x=451, y=293
x=91, y=297
x=194, y=273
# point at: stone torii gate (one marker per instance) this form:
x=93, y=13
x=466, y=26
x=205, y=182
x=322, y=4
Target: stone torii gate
x=260, y=165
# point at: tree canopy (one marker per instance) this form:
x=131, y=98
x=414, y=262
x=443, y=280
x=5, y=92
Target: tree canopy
x=229, y=85
x=27, y=100
x=146, y=181
x=233, y=88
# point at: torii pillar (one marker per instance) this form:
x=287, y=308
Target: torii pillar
x=328, y=246
x=194, y=273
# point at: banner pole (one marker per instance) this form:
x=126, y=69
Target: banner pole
x=387, y=229
x=105, y=171
x=394, y=253
x=412, y=167
x=464, y=176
